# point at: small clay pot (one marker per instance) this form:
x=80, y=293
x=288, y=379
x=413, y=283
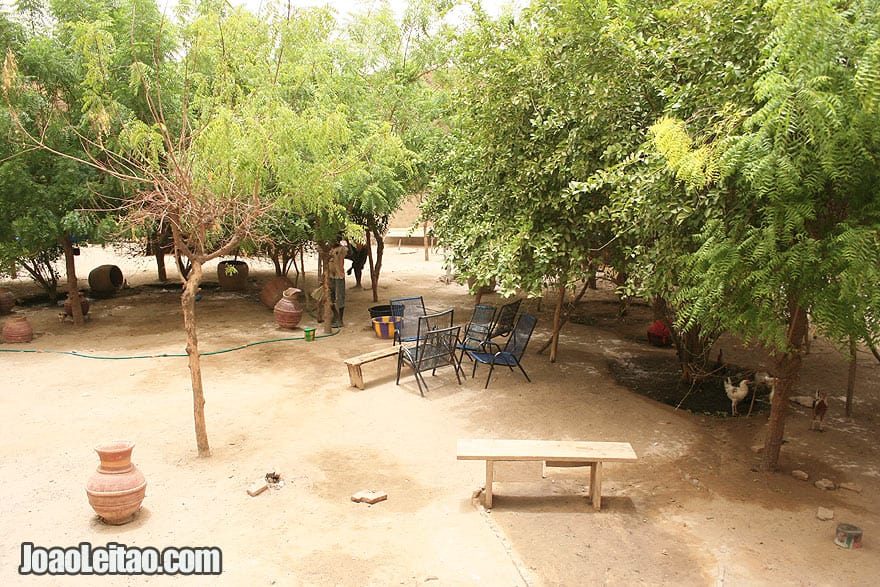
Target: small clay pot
x=287, y=311
x=17, y=329
x=116, y=489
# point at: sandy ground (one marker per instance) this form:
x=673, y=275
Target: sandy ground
x=689, y=512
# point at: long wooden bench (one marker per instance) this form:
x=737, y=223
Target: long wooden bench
x=554, y=453
x=355, y=376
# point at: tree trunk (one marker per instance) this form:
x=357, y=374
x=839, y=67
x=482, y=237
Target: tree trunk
x=183, y=267
x=691, y=348
x=557, y=323
x=160, y=243
x=375, y=271
x=851, y=380
x=425, y=237
x=565, y=315
x=188, y=303
x=276, y=262
x=72, y=282
x=373, y=282
x=787, y=369
x=327, y=309
x=160, y=266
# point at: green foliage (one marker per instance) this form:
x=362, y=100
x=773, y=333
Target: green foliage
x=797, y=216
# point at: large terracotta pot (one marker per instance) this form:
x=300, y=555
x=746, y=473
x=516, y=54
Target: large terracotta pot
x=84, y=304
x=116, y=489
x=105, y=281
x=232, y=275
x=273, y=290
x=7, y=300
x=17, y=329
x=287, y=311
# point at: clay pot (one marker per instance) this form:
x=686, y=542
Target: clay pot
x=68, y=306
x=7, y=300
x=105, y=281
x=116, y=489
x=17, y=329
x=273, y=290
x=287, y=311
x=232, y=275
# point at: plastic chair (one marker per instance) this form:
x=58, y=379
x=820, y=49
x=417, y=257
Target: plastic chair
x=433, y=350
x=511, y=354
x=409, y=310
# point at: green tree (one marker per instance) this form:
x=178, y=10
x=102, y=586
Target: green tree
x=792, y=211
x=542, y=100
x=702, y=58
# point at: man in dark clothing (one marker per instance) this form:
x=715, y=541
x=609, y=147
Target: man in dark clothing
x=358, y=254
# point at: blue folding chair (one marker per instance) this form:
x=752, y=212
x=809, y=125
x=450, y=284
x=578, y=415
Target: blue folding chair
x=505, y=320
x=511, y=354
x=476, y=332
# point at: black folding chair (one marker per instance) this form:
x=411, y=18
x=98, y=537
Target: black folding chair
x=435, y=349
x=512, y=353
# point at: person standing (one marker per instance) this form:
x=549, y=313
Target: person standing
x=337, y=281
x=358, y=254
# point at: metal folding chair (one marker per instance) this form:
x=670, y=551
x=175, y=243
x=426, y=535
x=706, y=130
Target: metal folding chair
x=512, y=353
x=409, y=310
x=435, y=349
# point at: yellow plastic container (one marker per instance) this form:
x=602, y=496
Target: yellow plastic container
x=385, y=325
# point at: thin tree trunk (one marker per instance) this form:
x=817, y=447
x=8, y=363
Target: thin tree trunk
x=425, y=237
x=873, y=349
x=188, y=303
x=160, y=266
x=72, y=282
x=156, y=240
x=373, y=282
x=787, y=369
x=327, y=309
x=374, y=276
x=557, y=323
x=851, y=380
x=565, y=316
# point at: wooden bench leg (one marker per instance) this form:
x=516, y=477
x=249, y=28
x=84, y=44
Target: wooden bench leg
x=355, y=376
x=490, y=474
x=596, y=484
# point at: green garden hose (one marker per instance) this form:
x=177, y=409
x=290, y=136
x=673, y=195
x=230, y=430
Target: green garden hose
x=204, y=354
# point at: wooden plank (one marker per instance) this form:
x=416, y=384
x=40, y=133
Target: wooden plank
x=372, y=356
x=545, y=450
x=490, y=477
x=355, y=376
x=568, y=463
x=596, y=485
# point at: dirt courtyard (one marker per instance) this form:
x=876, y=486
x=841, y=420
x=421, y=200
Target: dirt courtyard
x=690, y=512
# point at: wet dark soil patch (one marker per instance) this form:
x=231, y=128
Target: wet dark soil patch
x=658, y=377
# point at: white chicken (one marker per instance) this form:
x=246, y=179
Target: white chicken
x=736, y=393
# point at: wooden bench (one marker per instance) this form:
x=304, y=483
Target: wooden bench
x=554, y=453
x=354, y=364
